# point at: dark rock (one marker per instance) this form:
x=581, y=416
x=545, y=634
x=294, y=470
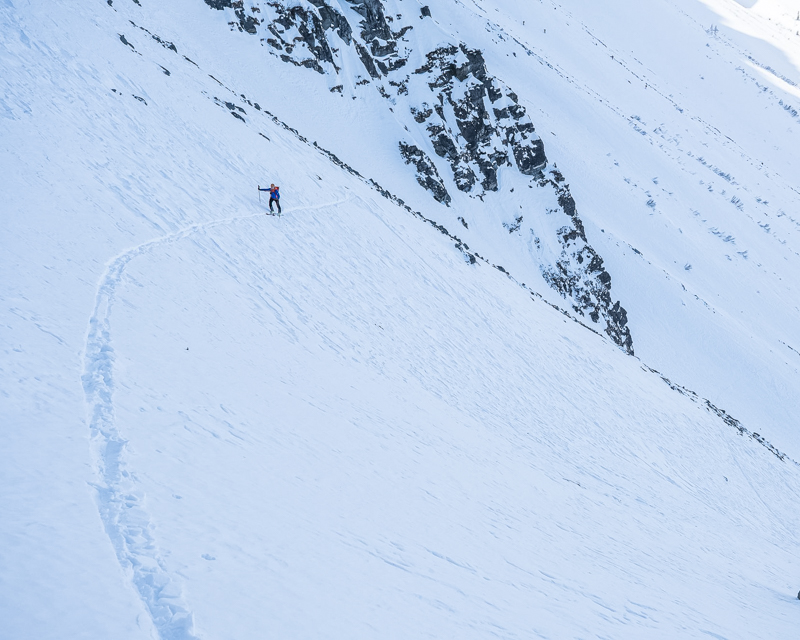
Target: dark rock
x=513, y=227
x=332, y=19
x=249, y=24
x=246, y=23
x=368, y=62
x=312, y=35
x=443, y=144
x=425, y=12
x=164, y=43
x=427, y=175
x=421, y=115
x=234, y=107
x=530, y=158
x=464, y=178
x=374, y=25
x=402, y=88
x=486, y=140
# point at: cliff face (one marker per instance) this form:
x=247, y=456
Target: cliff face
x=470, y=127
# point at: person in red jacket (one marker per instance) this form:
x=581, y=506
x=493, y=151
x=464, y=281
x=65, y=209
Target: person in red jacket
x=274, y=196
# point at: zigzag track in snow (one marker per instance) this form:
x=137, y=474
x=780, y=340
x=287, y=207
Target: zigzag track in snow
x=121, y=504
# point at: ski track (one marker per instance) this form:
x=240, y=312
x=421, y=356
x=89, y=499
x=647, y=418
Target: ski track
x=120, y=503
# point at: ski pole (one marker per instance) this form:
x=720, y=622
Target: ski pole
x=259, y=194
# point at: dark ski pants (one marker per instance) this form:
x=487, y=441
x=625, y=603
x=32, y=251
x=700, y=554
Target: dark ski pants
x=277, y=202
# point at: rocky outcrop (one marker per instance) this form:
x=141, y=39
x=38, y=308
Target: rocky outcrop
x=489, y=128
x=244, y=22
x=379, y=39
x=477, y=124
x=331, y=19
x=427, y=175
x=578, y=273
x=299, y=34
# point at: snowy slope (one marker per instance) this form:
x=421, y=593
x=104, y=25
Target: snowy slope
x=219, y=424
x=711, y=295
x=677, y=136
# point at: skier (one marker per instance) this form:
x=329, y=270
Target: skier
x=274, y=196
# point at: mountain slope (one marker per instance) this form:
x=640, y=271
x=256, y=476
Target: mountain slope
x=334, y=423
x=682, y=186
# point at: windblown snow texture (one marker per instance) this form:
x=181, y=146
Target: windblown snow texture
x=376, y=415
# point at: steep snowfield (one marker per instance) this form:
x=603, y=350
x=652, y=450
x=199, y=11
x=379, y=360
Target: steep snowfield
x=218, y=424
x=675, y=127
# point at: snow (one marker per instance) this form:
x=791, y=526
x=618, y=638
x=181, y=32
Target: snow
x=691, y=131
x=219, y=424
x=630, y=118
